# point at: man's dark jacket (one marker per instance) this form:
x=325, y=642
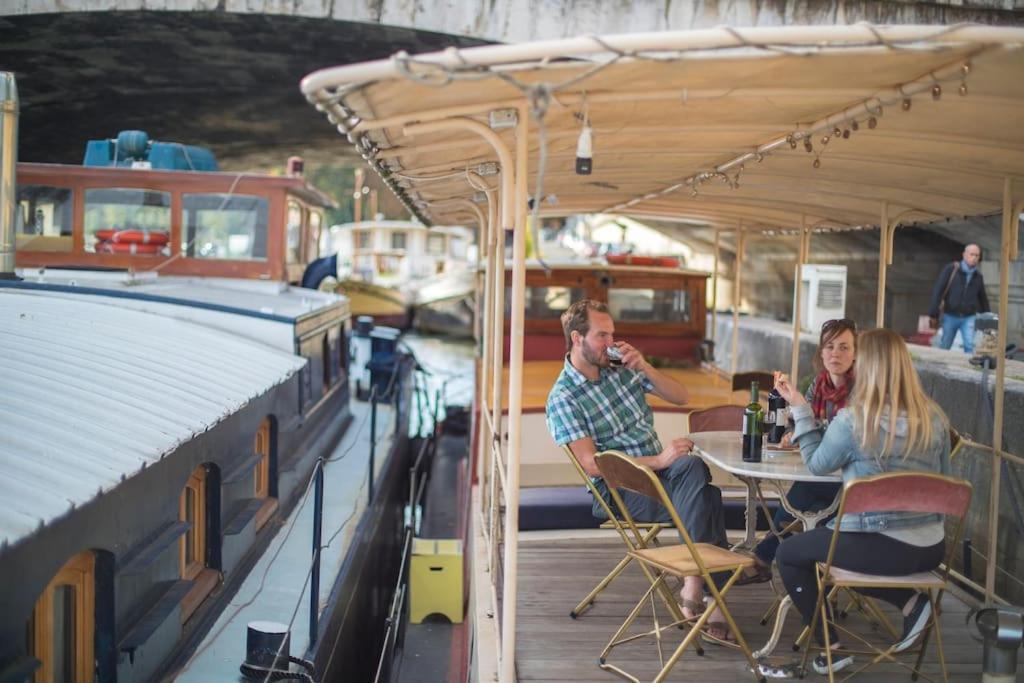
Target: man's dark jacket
x=963, y=298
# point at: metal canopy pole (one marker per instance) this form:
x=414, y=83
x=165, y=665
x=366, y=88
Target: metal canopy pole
x=515, y=409
x=737, y=283
x=883, y=261
x=798, y=281
x=714, y=289
x=1008, y=251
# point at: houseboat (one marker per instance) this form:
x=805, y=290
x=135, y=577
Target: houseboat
x=170, y=395
x=781, y=132
x=387, y=268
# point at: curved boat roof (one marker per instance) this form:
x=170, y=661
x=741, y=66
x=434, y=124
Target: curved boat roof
x=776, y=127
x=93, y=393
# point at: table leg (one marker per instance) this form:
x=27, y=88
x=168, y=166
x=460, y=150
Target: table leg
x=750, y=538
x=780, y=619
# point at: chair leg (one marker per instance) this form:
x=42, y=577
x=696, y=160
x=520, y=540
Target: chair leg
x=690, y=638
x=592, y=595
x=719, y=603
x=934, y=599
x=818, y=611
x=823, y=603
x=631, y=617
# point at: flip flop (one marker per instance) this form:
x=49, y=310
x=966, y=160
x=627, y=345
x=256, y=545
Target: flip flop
x=707, y=637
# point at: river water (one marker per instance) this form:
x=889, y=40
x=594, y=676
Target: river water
x=446, y=375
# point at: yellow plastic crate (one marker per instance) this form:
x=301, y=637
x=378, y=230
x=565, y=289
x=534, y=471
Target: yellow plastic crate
x=435, y=579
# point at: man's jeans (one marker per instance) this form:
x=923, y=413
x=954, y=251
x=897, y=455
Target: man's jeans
x=952, y=323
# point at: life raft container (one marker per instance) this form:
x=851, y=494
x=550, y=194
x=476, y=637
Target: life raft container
x=133, y=236
x=631, y=260
x=106, y=247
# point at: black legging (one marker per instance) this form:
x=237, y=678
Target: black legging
x=868, y=553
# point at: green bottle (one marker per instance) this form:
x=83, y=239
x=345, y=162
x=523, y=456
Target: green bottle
x=753, y=427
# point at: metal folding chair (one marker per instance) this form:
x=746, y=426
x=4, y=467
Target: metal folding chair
x=649, y=536
x=894, y=492
x=686, y=559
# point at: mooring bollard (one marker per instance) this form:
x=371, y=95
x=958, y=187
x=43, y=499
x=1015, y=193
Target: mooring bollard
x=1002, y=630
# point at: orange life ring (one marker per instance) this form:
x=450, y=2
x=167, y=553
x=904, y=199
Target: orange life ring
x=128, y=248
x=158, y=237
x=105, y=234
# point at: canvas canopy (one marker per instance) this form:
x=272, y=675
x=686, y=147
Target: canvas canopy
x=715, y=126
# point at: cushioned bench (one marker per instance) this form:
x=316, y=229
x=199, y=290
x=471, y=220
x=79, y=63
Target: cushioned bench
x=569, y=507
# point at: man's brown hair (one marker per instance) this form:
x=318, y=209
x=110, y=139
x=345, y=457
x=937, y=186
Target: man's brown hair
x=577, y=318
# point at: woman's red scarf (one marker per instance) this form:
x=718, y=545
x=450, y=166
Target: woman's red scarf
x=826, y=392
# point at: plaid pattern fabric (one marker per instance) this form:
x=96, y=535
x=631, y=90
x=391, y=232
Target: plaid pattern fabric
x=612, y=411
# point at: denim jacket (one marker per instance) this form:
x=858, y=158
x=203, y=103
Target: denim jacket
x=838, y=447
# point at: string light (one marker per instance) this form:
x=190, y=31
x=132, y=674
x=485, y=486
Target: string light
x=872, y=122
x=963, y=89
x=792, y=141
x=846, y=133
x=808, y=145
x=905, y=104
x=817, y=162
x=854, y=125
x=936, y=92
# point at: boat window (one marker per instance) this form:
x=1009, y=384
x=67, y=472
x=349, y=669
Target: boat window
x=62, y=624
x=43, y=218
x=261, y=447
x=192, y=509
x=316, y=221
x=545, y=302
x=388, y=265
x=294, y=232
x=435, y=244
x=649, y=305
x=112, y=209
x=361, y=239
x=224, y=226
x=398, y=240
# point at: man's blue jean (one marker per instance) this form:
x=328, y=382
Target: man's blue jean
x=964, y=323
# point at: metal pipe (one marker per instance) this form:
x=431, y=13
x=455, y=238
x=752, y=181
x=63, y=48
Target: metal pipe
x=1009, y=218
x=314, y=582
x=737, y=282
x=714, y=289
x=515, y=407
x=798, y=282
x=8, y=172
x=373, y=439
x=883, y=261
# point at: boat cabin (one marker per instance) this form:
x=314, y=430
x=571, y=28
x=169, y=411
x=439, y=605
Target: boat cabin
x=238, y=225
x=660, y=309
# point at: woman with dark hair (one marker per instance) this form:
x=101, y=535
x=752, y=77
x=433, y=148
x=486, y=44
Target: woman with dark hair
x=826, y=395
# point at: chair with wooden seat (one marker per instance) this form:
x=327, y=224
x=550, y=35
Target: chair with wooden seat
x=682, y=560
x=723, y=418
x=741, y=380
x=922, y=492
x=649, y=537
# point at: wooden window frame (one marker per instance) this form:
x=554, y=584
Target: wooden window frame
x=79, y=572
x=261, y=447
x=197, y=483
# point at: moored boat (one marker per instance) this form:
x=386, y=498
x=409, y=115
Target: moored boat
x=767, y=132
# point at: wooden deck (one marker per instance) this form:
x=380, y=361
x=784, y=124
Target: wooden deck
x=554, y=574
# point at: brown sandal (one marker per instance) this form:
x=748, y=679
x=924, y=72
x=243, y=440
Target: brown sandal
x=761, y=574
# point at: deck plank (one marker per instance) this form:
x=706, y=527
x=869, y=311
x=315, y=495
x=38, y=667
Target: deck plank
x=555, y=574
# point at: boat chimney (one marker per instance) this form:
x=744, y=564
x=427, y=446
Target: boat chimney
x=8, y=169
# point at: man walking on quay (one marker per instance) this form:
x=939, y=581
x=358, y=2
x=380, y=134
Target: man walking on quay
x=957, y=297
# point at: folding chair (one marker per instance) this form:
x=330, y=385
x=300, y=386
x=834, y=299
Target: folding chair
x=955, y=442
x=651, y=531
x=894, y=492
x=686, y=559
x=723, y=418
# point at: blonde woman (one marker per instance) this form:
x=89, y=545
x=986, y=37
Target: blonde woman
x=889, y=425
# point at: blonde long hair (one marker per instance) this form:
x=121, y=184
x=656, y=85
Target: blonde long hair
x=887, y=388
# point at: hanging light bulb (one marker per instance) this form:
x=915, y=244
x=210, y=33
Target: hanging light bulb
x=808, y=145
x=963, y=89
x=792, y=141
x=854, y=125
x=817, y=162
x=836, y=132
x=936, y=91
x=824, y=140
x=872, y=122
x=905, y=104
x=846, y=134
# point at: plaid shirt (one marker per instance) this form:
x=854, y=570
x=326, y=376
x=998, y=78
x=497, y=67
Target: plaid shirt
x=612, y=411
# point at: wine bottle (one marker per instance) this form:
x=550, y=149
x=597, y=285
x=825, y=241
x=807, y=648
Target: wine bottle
x=777, y=416
x=753, y=416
